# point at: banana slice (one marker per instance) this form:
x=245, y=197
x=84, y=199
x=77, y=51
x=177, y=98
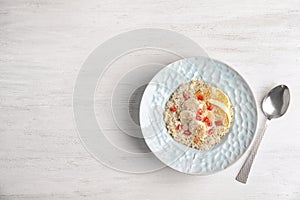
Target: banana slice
x=186, y=116
x=198, y=128
x=191, y=104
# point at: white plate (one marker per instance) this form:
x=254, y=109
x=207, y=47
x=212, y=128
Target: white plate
x=181, y=157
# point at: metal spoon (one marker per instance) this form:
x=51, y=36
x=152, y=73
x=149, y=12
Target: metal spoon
x=274, y=105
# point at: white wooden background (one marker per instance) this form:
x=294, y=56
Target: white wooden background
x=42, y=46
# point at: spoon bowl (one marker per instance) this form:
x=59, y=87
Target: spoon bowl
x=276, y=102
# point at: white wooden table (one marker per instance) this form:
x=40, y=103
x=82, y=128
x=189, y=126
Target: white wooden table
x=42, y=47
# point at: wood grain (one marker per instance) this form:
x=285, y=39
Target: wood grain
x=42, y=47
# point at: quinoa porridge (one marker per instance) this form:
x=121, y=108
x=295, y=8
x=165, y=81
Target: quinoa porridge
x=198, y=115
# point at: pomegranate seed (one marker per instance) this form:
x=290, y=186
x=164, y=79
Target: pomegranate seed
x=198, y=117
x=187, y=132
x=218, y=123
x=173, y=109
x=186, y=96
x=179, y=127
x=200, y=97
x=199, y=111
x=210, y=107
x=205, y=119
x=210, y=131
x=208, y=123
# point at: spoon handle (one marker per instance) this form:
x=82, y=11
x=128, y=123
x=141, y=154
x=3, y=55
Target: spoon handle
x=245, y=170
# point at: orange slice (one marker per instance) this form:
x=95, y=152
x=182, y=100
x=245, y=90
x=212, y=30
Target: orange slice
x=221, y=114
x=218, y=95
